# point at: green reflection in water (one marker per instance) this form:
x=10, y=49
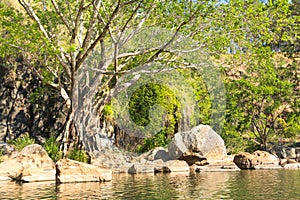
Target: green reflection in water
x=255, y=184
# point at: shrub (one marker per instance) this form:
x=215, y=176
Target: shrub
x=141, y=101
x=52, y=148
x=158, y=140
x=79, y=155
x=1, y=154
x=22, y=141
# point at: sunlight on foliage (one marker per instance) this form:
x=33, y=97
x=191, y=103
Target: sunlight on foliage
x=22, y=141
x=78, y=155
x=52, y=148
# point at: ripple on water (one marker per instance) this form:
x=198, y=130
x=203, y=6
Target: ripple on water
x=255, y=184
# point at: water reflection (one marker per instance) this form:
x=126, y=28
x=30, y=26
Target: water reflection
x=36, y=190
x=210, y=184
x=256, y=184
x=160, y=186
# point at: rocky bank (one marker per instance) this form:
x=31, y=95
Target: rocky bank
x=197, y=150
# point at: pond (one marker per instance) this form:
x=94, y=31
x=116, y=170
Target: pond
x=248, y=184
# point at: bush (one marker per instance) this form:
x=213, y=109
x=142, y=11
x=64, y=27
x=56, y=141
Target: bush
x=235, y=142
x=1, y=154
x=79, y=155
x=141, y=101
x=52, y=148
x=22, y=141
x=158, y=140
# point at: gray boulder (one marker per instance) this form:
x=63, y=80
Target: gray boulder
x=156, y=154
x=198, y=144
x=141, y=168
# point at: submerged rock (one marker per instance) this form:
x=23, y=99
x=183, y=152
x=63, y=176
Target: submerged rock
x=31, y=164
x=157, y=166
x=216, y=167
x=292, y=166
x=141, y=168
x=176, y=166
x=68, y=171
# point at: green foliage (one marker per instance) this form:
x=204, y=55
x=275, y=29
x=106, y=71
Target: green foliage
x=140, y=103
x=20, y=35
x=22, y=141
x=195, y=79
x=148, y=95
x=108, y=112
x=292, y=126
x=1, y=154
x=158, y=140
x=37, y=95
x=262, y=93
x=52, y=148
x=259, y=101
x=236, y=142
x=79, y=155
x=261, y=86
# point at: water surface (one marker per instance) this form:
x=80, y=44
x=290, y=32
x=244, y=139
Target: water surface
x=252, y=184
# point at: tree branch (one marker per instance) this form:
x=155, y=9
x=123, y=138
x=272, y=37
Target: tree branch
x=83, y=54
x=168, y=43
x=63, y=18
x=89, y=31
x=74, y=34
x=32, y=14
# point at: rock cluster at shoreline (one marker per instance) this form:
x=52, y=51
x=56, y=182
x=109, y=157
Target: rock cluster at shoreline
x=198, y=150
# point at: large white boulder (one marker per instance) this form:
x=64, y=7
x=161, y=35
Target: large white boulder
x=31, y=164
x=198, y=144
x=68, y=171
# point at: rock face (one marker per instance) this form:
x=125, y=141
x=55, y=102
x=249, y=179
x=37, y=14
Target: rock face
x=286, y=152
x=31, y=164
x=68, y=171
x=6, y=149
x=197, y=145
x=257, y=160
x=290, y=153
x=20, y=86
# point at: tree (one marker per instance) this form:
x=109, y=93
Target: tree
x=99, y=44
x=261, y=95
x=77, y=31
x=262, y=99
